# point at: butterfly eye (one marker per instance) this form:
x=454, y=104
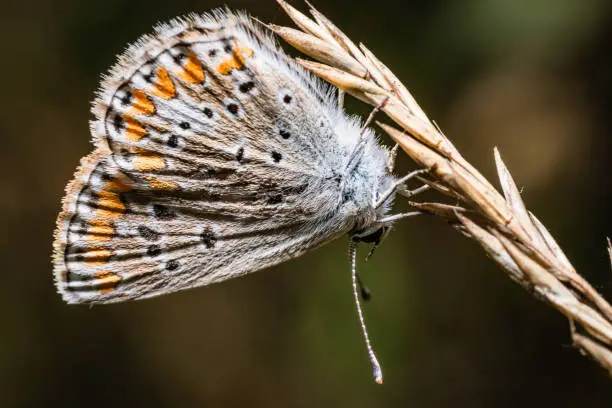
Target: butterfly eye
x=373, y=237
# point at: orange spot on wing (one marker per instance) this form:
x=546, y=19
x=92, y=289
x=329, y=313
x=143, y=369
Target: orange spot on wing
x=100, y=230
x=97, y=256
x=109, y=200
x=164, y=87
x=193, y=71
x=118, y=186
x=142, y=104
x=149, y=162
x=109, y=279
x=110, y=204
x=134, y=130
x=235, y=61
x=158, y=184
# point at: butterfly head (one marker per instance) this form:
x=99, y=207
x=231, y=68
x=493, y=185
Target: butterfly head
x=366, y=183
x=373, y=197
x=376, y=229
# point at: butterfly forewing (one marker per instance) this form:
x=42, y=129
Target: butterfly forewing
x=209, y=156
x=197, y=99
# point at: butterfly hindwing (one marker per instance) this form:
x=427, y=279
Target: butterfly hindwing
x=209, y=164
x=117, y=241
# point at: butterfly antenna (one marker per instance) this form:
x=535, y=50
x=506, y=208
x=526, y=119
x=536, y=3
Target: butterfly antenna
x=378, y=377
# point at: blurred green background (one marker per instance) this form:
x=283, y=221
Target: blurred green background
x=531, y=77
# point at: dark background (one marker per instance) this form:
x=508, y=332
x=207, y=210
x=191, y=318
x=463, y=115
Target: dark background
x=531, y=77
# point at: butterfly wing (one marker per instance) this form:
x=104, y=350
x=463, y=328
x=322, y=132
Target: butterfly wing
x=215, y=157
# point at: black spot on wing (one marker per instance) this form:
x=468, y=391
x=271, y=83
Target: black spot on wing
x=173, y=141
x=233, y=108
x=208, y=238
x=162, y=212
x=246, y=86
x=240, y=154
x=148, y=234
x=153, y=250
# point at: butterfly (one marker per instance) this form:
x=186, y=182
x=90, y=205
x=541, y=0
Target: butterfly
x=215, y=156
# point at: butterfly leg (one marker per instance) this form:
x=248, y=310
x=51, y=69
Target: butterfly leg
x=375, y=364
x=396, y=185
x=341, y=94
x=396, y=217
x=411, y=193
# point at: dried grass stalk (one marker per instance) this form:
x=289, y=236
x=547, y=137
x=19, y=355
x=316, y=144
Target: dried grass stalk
x=509, y=233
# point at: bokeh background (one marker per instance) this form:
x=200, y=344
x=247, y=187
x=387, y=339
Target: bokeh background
x=531, y=77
